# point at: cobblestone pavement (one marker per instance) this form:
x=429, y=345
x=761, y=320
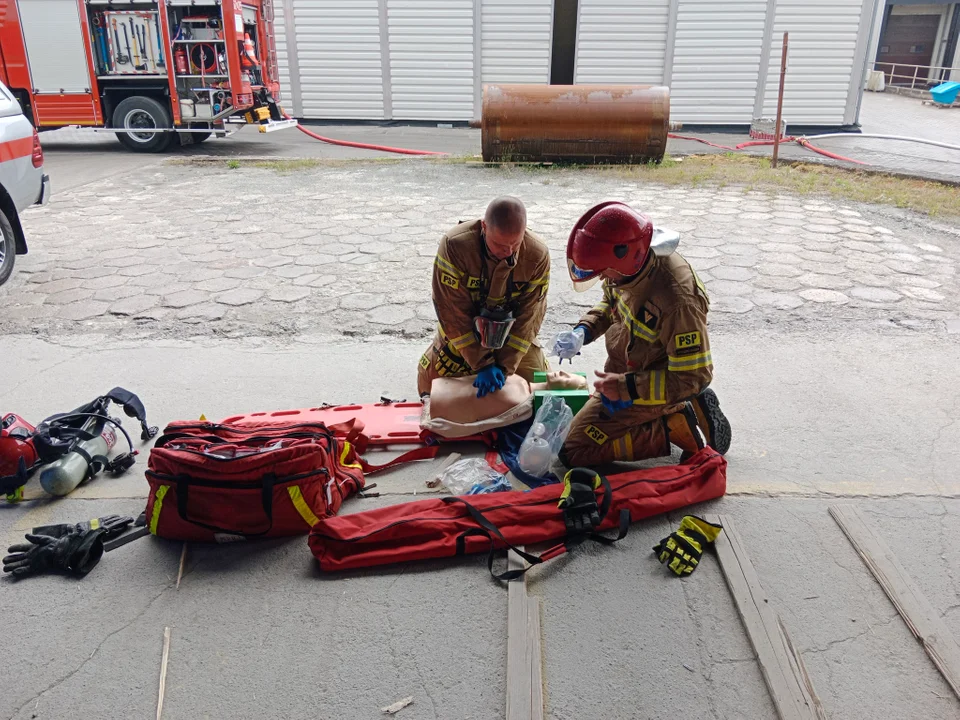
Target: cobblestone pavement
x=348, y=249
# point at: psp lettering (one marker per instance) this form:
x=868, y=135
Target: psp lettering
x=687, y=340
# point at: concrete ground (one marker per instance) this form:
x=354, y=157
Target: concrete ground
x=207, y=290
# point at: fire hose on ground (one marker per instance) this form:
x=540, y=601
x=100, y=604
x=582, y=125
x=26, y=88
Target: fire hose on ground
x=805, y=143
x=362, y=146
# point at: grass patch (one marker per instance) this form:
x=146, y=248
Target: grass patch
x=931, y=198
x=723, y=170
x=287, y=165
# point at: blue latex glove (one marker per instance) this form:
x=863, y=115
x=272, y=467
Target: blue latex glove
x=614, y=406
x=489, y=380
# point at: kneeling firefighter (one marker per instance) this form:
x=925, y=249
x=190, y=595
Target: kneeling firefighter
x=490, y=282
x=653, y=391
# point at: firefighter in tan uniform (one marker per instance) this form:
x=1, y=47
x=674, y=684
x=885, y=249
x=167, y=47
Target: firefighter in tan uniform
x=490, y=282
x=653, y=391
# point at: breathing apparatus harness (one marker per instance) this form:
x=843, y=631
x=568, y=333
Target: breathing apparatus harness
x=493, y=324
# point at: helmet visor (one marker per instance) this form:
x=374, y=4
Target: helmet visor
x=582, y=279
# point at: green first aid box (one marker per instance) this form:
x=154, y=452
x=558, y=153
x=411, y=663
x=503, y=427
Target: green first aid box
x=575, y=399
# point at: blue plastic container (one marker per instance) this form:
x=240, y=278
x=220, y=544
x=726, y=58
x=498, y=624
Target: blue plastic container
x=946, y=93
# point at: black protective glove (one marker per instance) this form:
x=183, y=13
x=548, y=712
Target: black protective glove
x=72, y=548
x=111, y=525
x=579, y=500
x=681, y=550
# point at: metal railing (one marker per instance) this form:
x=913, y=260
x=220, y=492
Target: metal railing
x=916, y=77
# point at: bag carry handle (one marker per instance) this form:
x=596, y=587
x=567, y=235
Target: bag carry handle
x=266, y=498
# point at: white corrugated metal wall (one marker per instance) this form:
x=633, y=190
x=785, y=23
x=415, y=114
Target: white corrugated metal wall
x=431, y=59
x=280, y=40
x=621, y=41
x=431, y=56
x=822, y=47
x=716, y=61
x=516, y=41
x=338, y=49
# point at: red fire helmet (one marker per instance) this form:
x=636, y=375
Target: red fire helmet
x=611, y=235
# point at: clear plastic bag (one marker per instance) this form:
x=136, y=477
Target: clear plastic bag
x=473, y=476
x=545, y=438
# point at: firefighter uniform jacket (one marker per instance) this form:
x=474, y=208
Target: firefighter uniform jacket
x=656, y=334
x=466, y=278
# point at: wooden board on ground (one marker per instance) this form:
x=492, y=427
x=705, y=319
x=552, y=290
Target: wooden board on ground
x=780, y=664
x=924, y=622
x=524, y=674
x=163, y=671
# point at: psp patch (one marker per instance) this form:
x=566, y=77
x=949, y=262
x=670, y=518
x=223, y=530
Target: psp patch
x=424, y=361
x=687, y=342
x=449, y=281
x=595, y=434
x=473, y=283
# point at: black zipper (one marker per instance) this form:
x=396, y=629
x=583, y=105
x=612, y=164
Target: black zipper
x=248, y=485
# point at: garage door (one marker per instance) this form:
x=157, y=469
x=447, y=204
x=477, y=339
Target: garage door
x=431, y=59
x=338, y=49
x=515, y=41
x=621, y=41
x=823, y=44
x=909, y=40
x=716, y=64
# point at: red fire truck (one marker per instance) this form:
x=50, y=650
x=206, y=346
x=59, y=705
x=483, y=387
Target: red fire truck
x=153, y=71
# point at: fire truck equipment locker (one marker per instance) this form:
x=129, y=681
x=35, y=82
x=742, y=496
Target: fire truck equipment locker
x=53, y=33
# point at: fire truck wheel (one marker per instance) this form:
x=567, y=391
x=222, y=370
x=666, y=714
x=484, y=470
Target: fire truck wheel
x=8, y=248
x=200, y=137
x=142, y=113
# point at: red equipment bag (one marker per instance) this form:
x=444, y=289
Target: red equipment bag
x=451, y=526
x=216, y=482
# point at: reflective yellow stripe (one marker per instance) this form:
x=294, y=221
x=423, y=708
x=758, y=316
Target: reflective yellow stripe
x=636, y=327
x=518, y=343
x=301, y=505
x=464, y=341
x=95, y=524
x=157, y=507
x=347, y=447
x=448, y=267
x=540, y=282
x=689, y=362
x=623, y=448
x=657, y=390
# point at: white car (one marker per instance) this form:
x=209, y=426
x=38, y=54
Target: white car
x=22, y=180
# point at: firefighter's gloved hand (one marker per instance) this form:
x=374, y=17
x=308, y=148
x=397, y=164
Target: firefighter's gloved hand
x=681, y=550
x=614, y=406
x=76, y=552
x=579, y=501
x=489, y=380
x=568, y=343
x=111, y=525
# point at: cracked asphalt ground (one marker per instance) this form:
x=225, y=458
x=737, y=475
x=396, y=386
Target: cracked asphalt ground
x=217, y=291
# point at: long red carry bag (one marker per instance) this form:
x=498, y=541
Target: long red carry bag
x=451, y=526
x=216, y=482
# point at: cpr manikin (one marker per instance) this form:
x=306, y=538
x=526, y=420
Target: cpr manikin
x=453, y=409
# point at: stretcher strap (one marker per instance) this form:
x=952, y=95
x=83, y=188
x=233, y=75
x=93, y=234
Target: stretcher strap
x=352, y=432
x=421, y=453
x=488, y=530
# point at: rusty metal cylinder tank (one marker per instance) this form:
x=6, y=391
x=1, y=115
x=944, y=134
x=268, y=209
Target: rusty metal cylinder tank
x=575, y=123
